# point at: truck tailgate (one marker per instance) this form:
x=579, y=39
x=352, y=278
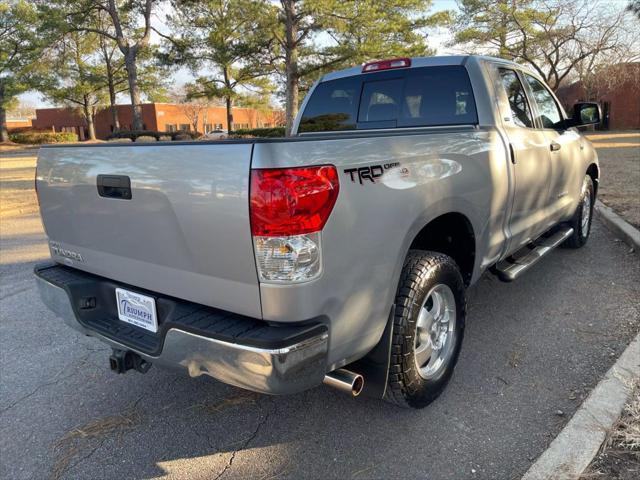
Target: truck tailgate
x=184, y=232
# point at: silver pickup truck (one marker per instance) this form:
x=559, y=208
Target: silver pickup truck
x=340, y=255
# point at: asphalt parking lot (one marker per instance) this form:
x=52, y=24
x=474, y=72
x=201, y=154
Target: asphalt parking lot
x=533, y=351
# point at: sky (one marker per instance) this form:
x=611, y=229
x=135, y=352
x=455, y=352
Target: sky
x=436, y=39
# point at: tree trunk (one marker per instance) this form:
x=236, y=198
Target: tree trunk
x=134, y=90
x=107, y=57
x=88, y=116
x=4, y=133
x=229, y=114
x=225, y=73
x=112, y=100
x=291, y=65
x=503, y=51
x=114, y=116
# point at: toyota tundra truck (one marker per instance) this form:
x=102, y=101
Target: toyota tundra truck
x=340, y=255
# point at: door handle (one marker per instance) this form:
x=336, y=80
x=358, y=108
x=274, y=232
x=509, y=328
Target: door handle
x=512, y=154
x=555, y=146
x=114, y=186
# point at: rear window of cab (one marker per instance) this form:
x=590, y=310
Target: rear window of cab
x=417, y=97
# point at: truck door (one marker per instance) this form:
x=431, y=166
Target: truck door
x=564, y=147
x=530, y=159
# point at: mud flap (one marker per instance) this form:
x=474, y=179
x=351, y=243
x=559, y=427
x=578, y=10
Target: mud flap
x=374, y=367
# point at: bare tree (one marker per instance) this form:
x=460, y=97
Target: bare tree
x=192, y=111
x=22, y=110
x=194, y=106
x=581, y=33
x=555, y=37
x=599, y=80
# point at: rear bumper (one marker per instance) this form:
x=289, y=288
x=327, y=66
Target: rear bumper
x=254, y=355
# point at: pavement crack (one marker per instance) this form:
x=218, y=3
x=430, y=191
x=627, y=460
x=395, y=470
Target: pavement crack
x=204, y=437
x=34, y=391
x=85, y=457
x=4, y=296
x=246, y=442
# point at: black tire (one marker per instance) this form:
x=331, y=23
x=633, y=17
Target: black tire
x=422, y=272
x=581, y=231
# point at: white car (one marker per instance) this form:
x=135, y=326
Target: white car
x=217, y=134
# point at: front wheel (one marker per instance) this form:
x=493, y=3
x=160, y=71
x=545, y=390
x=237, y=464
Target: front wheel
x=581, y=221
x=428, y=329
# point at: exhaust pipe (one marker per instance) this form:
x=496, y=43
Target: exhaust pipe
x=345, y=380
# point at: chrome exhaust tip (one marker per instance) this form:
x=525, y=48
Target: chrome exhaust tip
x=345, y=380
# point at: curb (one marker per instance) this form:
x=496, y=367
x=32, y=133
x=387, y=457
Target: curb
x=578, y=443
x=622, y=229
x=17, y=147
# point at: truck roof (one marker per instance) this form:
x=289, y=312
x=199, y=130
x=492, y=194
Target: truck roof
x=416, y=62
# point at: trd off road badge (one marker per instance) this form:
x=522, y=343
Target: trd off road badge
x=372, y=173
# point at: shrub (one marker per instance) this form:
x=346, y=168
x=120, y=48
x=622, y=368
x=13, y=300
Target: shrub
x=258, y=132
x=38, y=138
x=133, y=135
x=181, y=137
x=184, y=135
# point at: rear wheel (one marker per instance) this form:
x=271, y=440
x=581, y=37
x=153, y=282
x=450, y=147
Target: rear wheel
x=581, y=221
x=428, y=328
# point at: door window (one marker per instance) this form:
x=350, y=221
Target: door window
x=520, y=111
x=549, y=115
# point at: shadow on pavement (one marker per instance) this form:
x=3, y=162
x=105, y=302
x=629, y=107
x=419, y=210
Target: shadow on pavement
x=532, y=351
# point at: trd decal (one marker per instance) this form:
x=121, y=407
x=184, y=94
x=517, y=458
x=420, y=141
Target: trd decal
x=370, y=173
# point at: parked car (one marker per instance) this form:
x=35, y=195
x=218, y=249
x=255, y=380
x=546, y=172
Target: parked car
x=339, y=255
x=216, y=134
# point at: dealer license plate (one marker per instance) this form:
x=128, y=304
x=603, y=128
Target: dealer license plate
x=137, y=309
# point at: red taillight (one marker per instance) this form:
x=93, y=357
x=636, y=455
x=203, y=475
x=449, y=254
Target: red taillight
x=386, y=65
x=292, y=201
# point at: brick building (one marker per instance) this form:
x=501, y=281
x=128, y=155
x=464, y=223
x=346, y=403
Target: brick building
x=618, y=91
x=18, y=124
x=155, y=116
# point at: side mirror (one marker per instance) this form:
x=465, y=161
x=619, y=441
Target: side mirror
x=586, y=113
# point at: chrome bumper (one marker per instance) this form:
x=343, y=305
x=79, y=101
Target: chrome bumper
x=284, y=370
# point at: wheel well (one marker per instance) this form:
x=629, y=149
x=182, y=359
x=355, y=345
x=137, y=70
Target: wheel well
x=451, y=234
x=592, y=171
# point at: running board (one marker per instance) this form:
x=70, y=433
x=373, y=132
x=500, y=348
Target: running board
x=510, y=269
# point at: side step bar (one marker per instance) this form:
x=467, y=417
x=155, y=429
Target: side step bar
x=510, y=269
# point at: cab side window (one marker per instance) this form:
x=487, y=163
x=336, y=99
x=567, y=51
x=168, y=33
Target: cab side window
x=549, y=114
x=520, y=111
